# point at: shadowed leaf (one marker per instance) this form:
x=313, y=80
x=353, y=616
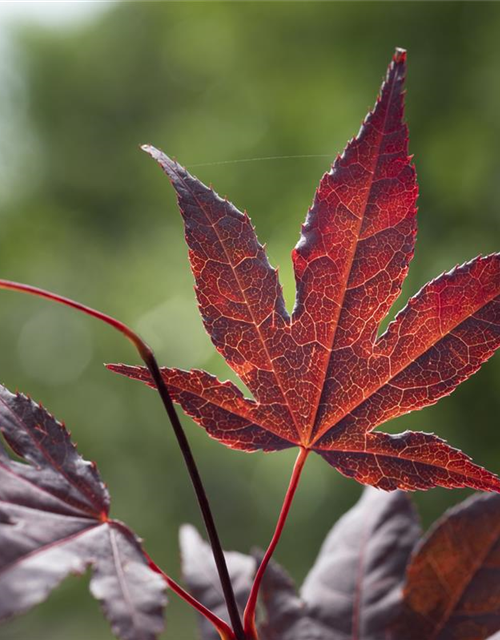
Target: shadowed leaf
x=354, y=590
x=453, y=585
x=200, y=573
x=54, y=521
x=287, y=615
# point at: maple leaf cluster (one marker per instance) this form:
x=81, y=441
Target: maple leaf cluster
x=376, y=576
x=322, y=379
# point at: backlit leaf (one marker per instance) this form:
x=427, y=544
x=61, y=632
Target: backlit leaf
x=321, y=378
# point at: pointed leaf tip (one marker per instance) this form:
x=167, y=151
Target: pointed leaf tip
x=156, y=154
x=149, y=148
x=399, y=55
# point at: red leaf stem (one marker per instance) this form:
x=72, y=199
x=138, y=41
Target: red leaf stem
x=225, y=632
x=249, y=615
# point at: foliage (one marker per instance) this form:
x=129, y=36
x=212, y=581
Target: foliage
x=54, y=521
x=353, y=590
x=321, y=381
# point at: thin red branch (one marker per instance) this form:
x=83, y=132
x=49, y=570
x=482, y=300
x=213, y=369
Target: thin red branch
x=224, y=630
x=149, y=359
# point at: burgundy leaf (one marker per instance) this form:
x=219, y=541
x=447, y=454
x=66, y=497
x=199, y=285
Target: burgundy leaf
x=238, y=292
x=453, y=585
x=287, y=615
x=54, y=521
x=354, y=590
x=322, y=379
x=200, y=574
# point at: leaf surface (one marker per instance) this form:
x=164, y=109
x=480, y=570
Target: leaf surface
x=453, y=585
x=354, y=590
x=287, y=615
x=54, y=522
x=322, y=379
x=200, y=573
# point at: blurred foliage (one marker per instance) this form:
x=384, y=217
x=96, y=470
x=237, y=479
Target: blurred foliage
x=87, y=215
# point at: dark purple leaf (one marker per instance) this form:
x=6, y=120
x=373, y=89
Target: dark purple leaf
x=54, y=521
x=288, y=616
x=353, y=590
x=200, y=574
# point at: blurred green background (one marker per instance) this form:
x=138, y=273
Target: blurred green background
x=85, y=213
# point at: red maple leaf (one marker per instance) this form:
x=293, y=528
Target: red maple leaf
x=322, y=379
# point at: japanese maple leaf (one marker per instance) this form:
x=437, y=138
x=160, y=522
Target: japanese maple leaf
x=452, y=589
x=54, y=521
x=322, y=379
